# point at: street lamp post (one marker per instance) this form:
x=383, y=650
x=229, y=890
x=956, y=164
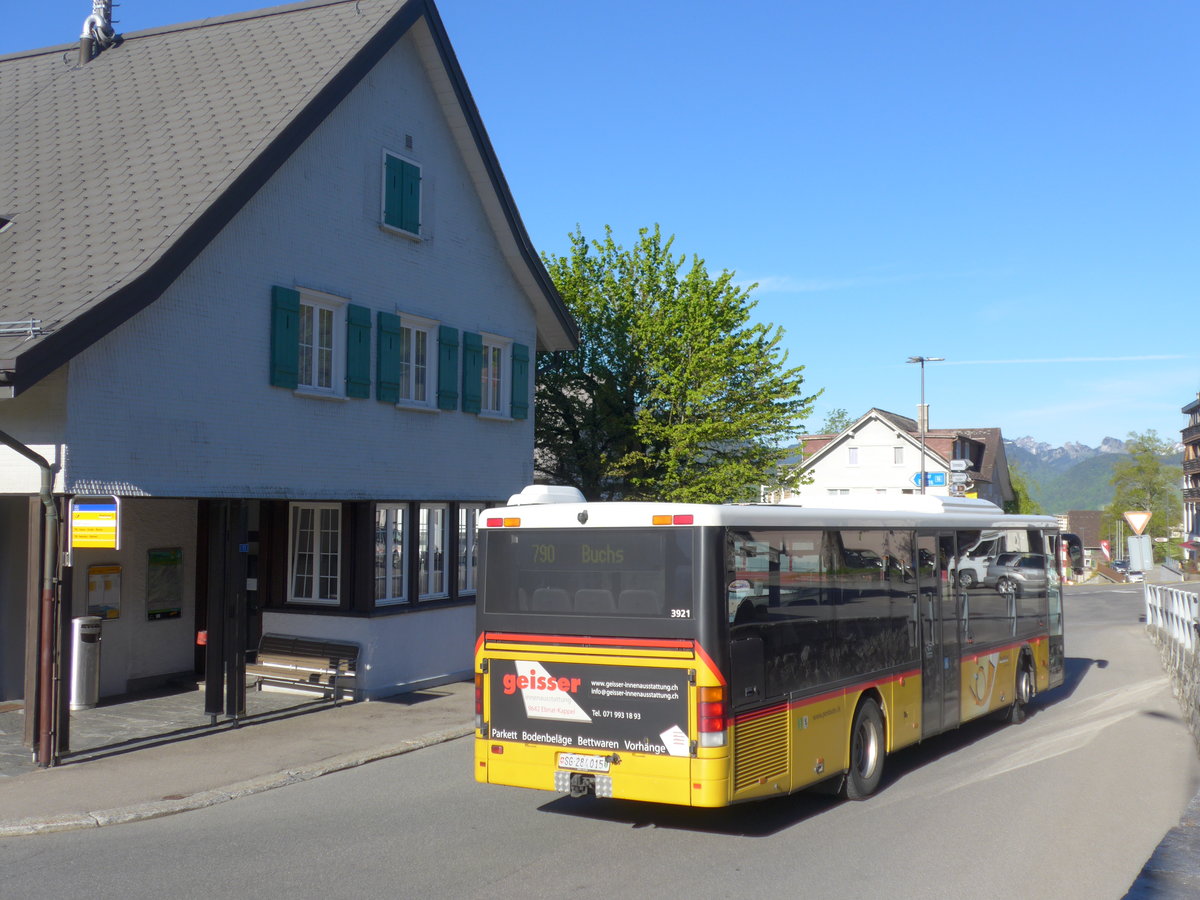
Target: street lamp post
x=923, y=411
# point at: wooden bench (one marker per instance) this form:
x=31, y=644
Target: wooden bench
x=305, y=665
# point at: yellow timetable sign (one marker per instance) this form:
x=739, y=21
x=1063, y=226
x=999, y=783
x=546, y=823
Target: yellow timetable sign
x=94, y=523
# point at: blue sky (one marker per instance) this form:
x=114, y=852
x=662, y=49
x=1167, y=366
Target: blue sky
x=1010, y=186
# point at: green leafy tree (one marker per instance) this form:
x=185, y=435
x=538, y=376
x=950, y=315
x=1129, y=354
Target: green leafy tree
x=674, y=393
x=1023, y=500
x=1147, y=481
x=837, y=421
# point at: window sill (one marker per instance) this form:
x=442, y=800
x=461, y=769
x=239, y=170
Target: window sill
x=400, y=232
x=495, y=416
x=318, y=395
x=416, y=407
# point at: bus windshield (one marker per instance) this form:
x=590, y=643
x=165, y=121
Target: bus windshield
x=561, y=577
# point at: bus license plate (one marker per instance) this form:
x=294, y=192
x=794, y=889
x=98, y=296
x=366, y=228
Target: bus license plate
x=580, y=762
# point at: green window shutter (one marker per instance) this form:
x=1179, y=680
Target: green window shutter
x=285, y=337
x=447, y=367
x=391, y=191
x=520, y=381
x=358, y=351
x=472, y=372
x=402, y=195
x=410, y=191
x=387, y=359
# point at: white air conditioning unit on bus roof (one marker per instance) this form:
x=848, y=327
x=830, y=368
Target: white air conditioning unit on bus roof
x=536, y=494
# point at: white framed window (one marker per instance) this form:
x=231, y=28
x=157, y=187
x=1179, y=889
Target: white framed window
x=391, y=571
x=852, y=458
x=432, y=540
x=838, y=491
x=898, y=456
x=495, y=374
x=315, y=541
x=418, y=361
x=322, y=332
x=468, y=555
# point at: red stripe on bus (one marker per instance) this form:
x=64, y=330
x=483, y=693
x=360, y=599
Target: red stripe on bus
x=853, y=688
x=589, y=641
x=760, y=713
x=1016, y=645
x=712, y=666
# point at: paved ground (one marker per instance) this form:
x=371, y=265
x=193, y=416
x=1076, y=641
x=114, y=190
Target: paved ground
x=158, y=755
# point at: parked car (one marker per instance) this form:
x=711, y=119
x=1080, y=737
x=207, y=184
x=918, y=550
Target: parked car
x=973, y=564
x=1134, y=577
x=1121, y=565
x=1018, y=573
x=863, y=559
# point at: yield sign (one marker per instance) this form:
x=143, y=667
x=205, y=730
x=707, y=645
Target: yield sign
x=1137, y=521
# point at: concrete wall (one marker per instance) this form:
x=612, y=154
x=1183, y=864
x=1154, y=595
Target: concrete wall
x=399, y=653
x=133, y=650
x=37, y=418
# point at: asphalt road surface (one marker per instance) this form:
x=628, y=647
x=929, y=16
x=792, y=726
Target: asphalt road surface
x=1069, y=804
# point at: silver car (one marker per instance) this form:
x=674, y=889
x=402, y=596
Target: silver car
x=1018, y=573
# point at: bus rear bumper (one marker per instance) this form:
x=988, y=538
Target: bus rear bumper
x=642, y=777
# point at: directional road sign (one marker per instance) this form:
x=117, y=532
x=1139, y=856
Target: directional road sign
x=932, y=479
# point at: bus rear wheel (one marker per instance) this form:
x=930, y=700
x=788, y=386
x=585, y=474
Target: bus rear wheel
x=1023, y=691
x=866, y=751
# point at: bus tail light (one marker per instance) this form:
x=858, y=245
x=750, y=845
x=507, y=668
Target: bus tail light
x=687, y=519
x=478, y=701
x=712, y=717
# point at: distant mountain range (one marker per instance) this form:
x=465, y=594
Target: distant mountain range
x=1073, y=476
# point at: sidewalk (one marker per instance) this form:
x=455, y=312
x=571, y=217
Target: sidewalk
x=159, y=760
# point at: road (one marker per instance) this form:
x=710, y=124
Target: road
x=1070, y=803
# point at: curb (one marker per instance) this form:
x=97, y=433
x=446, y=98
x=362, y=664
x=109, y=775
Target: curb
x=1173, y=872
x=154, y=809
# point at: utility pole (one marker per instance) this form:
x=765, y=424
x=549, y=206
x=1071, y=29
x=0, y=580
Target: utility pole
x=923, y=410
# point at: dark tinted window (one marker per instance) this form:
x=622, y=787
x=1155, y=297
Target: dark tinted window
x=808, y=607
x=612, y=573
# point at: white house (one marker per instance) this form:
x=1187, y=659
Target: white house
x=266, y=291
x=881, y=453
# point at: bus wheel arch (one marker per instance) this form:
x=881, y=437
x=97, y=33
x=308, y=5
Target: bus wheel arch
x=868, y=748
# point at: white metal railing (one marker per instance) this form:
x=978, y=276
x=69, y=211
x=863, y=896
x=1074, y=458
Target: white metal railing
x=1175, y=614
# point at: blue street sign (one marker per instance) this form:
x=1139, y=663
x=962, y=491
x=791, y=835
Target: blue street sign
x=932, y=479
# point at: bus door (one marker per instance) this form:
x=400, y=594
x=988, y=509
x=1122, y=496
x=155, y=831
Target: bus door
x=940, y=642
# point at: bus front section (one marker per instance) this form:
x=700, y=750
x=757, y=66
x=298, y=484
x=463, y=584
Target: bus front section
x=592, y=671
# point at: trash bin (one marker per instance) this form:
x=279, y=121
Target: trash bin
x=85, y=662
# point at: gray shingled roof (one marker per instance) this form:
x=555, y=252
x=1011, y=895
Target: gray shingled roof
x=118, y=172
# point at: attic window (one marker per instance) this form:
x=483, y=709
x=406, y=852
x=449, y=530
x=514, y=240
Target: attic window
x=5, y=223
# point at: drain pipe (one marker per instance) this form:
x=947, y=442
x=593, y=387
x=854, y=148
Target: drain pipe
x=46, y=639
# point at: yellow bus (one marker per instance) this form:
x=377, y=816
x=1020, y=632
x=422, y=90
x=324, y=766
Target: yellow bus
x=706, y=655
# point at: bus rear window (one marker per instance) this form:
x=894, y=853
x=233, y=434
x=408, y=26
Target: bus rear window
x=622, y=573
